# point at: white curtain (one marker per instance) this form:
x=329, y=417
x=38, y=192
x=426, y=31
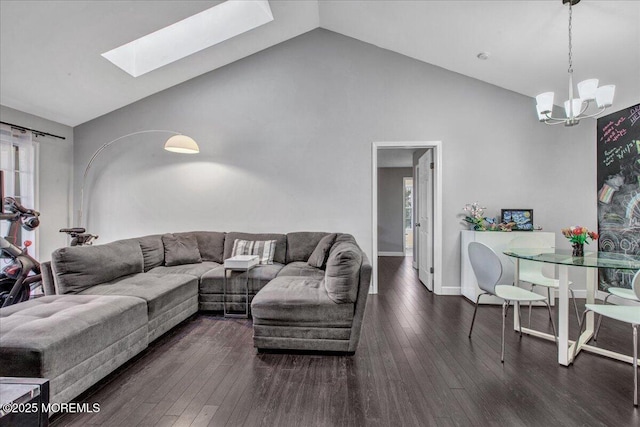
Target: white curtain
x=17, y=161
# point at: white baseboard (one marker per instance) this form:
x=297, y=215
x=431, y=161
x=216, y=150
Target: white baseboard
x=450, y=290
x=390, y=253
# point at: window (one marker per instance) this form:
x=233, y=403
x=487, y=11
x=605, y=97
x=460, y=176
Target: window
x=408, y=213
x=17, y=161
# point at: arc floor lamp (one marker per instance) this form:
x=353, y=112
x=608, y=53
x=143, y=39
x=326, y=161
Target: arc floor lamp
x=178, y=143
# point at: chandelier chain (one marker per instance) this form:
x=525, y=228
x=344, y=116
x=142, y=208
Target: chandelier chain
x=570, y=28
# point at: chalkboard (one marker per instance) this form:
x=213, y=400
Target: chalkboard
x=618, y=174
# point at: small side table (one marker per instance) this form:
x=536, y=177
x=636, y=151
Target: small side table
x=29, y=396
x=244, y=315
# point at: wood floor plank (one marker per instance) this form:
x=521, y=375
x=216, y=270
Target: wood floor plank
x=204, y=417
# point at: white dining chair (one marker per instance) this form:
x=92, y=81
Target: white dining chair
x=626, y=314
x=488, y=271
x=532, y=272
x=624, y=293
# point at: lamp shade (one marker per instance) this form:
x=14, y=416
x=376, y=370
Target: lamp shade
x=604, y=96
x=576, y=104
x=545, y=102
x=587, y=89
x=181, y=144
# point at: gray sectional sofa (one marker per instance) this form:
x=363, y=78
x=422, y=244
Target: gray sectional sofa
x=111, y=300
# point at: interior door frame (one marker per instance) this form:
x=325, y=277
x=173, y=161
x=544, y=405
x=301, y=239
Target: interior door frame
x=437, y=208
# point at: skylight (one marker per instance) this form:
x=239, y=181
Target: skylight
x=191, y=35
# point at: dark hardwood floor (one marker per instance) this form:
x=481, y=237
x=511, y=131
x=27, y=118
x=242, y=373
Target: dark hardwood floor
x=415, y=366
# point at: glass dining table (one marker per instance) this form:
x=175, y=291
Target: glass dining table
x=592, y=261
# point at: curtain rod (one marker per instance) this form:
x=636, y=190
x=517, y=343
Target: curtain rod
x=34, y=131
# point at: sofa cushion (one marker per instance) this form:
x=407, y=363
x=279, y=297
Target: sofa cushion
x=281, y=243
x=301, y=269
x=300, y=244
x=343, y=271
x=264, y=249
x=300, y=301
x=80, y=267
x=196, y=270
x=259, y=276
x=152, y=251
x=180, y=249
x=161, y=292
x=318, y=257
x=47, y=336
x=210, y=244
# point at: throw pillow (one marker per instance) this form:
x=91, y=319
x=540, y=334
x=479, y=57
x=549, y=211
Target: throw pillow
x=318, y=257
x=181, y=249
x=265, y=249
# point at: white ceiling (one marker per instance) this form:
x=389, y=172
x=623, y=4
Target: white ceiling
x=50, y=63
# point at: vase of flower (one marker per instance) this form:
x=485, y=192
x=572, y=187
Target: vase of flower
x=578, y=249
x=578, y=236
x=474, y=216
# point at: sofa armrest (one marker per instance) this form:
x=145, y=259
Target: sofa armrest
x=48, y=285
x=361, y=302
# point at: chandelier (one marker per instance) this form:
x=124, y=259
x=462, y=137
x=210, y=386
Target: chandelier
x=588, y=91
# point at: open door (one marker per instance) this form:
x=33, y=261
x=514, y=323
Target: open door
x=424, y=225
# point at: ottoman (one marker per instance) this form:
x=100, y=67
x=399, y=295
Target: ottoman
x=73, y=340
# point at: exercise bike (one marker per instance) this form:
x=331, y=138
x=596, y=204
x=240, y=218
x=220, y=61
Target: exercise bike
x=22, y=275
x=79, y=236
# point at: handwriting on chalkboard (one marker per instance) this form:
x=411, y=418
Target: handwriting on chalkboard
x=611, y=133
x=634, y=115
x=617, y=153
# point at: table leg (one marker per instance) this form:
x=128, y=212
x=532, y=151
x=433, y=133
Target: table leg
x=516, y=282
x=224, y=294
x=563, y=316
x=246, y=297
x=592, y=279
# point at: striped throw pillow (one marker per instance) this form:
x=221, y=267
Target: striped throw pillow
x=265, y=249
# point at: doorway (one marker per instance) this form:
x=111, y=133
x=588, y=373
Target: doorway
x=427, y=222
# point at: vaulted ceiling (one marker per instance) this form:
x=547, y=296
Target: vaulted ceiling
x=50, y=63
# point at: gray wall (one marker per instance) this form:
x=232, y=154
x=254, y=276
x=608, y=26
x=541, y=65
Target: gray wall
x=54, y=178
x=286, y=136
x=391, y=208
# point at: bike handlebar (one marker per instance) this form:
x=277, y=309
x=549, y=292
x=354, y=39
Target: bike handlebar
x=28, y=217
x=9, y=217
x=14, y=206
x=74, y=230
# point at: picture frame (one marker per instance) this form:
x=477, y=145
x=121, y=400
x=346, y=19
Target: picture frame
x=522, y=217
